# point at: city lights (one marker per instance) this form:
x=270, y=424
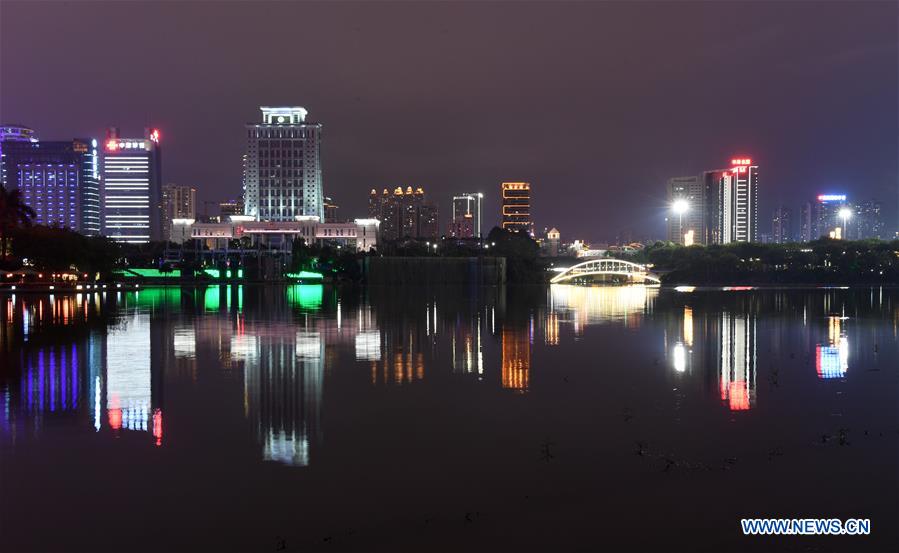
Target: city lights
x=680, y=206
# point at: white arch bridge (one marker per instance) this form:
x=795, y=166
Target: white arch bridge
x=634, y=272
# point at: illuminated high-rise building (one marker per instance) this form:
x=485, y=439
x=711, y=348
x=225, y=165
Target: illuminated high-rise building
x=331, y=211
x=689, y=225
x=59, y=180
x=13, y=133
x=738, y=203
x=404, y=214
x=132, y=175
x=178, y=202
x=868, y=220
x=283, y=175
x=516, y=207
x=826, y=215
x=466, y=221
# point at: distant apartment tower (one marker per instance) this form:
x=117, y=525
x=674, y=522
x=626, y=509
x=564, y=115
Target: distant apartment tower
x=869, y=221
x=283, y=175
x=738, y=203
x=59, y=180
x=516, y=207
x=781, y=225
x=331, y=211
x=826, y=215
x=806, y=228
x=466, y=221
x=690, y=225
x=178, y=202
x=132, y=173
x=404, y=214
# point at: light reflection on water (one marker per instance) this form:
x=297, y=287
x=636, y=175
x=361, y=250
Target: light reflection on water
x=281, y=359
x=280, y=348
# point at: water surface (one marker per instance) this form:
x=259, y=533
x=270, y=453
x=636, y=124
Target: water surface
x=308, y=418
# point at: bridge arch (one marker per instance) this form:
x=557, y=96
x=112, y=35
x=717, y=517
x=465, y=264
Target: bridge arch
x=607, y=266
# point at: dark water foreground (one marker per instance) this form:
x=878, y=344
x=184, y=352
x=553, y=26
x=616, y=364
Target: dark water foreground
x=567, y=418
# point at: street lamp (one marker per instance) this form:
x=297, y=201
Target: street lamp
x=845, y=213
x=680, y=206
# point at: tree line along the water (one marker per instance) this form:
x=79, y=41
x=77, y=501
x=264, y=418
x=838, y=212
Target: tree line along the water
x=822, y=261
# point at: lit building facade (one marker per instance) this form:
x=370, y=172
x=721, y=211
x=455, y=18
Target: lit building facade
x=229, y=208
x=868, y=220
x=12, y=133
x=331, y=211
x=781, y=225
x=178, y=202
x=516, y=207
x=404, y=213
x=59, y=180
x=132, y=175
x=738, y=202
x=687, y=227
x=283, y=171
x=826, y=215
x=466, y=221
x=359, y=234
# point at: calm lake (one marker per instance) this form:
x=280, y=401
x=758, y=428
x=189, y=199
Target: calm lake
x=306, y=418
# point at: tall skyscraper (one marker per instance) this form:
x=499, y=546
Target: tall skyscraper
x=869, y=221
x=715, y=207
x=283, y=166
x=738, y=203
x=688, y=194
x=806, y=228
x=59, y=180
x=132, y=174
x=517, y=207
x=826, y=215
x=12, y=133
x=404, y=214
x=781, y=225
x=178, y=202
x=466, y=221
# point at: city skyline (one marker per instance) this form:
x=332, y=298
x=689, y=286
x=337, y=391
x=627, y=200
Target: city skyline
x=399, y=132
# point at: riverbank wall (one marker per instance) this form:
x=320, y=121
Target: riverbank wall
x=434, y=270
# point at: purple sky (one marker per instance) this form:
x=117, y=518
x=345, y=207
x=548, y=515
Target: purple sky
x=595, y=103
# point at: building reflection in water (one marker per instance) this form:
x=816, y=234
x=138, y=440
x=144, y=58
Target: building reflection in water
x=832, y=358
x=737, y=360
x=88, y=374
x=682, y=351
x=283, y=366
x=721, y=341
x=516, y=360
x=128, y=381
x=467, y=345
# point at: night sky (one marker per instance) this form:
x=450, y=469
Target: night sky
x=595, y=103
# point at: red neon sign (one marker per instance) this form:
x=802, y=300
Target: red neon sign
x=154, y=135
x=741, y=161
x=111, y=144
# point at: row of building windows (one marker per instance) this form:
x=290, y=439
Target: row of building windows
x=281, y=132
